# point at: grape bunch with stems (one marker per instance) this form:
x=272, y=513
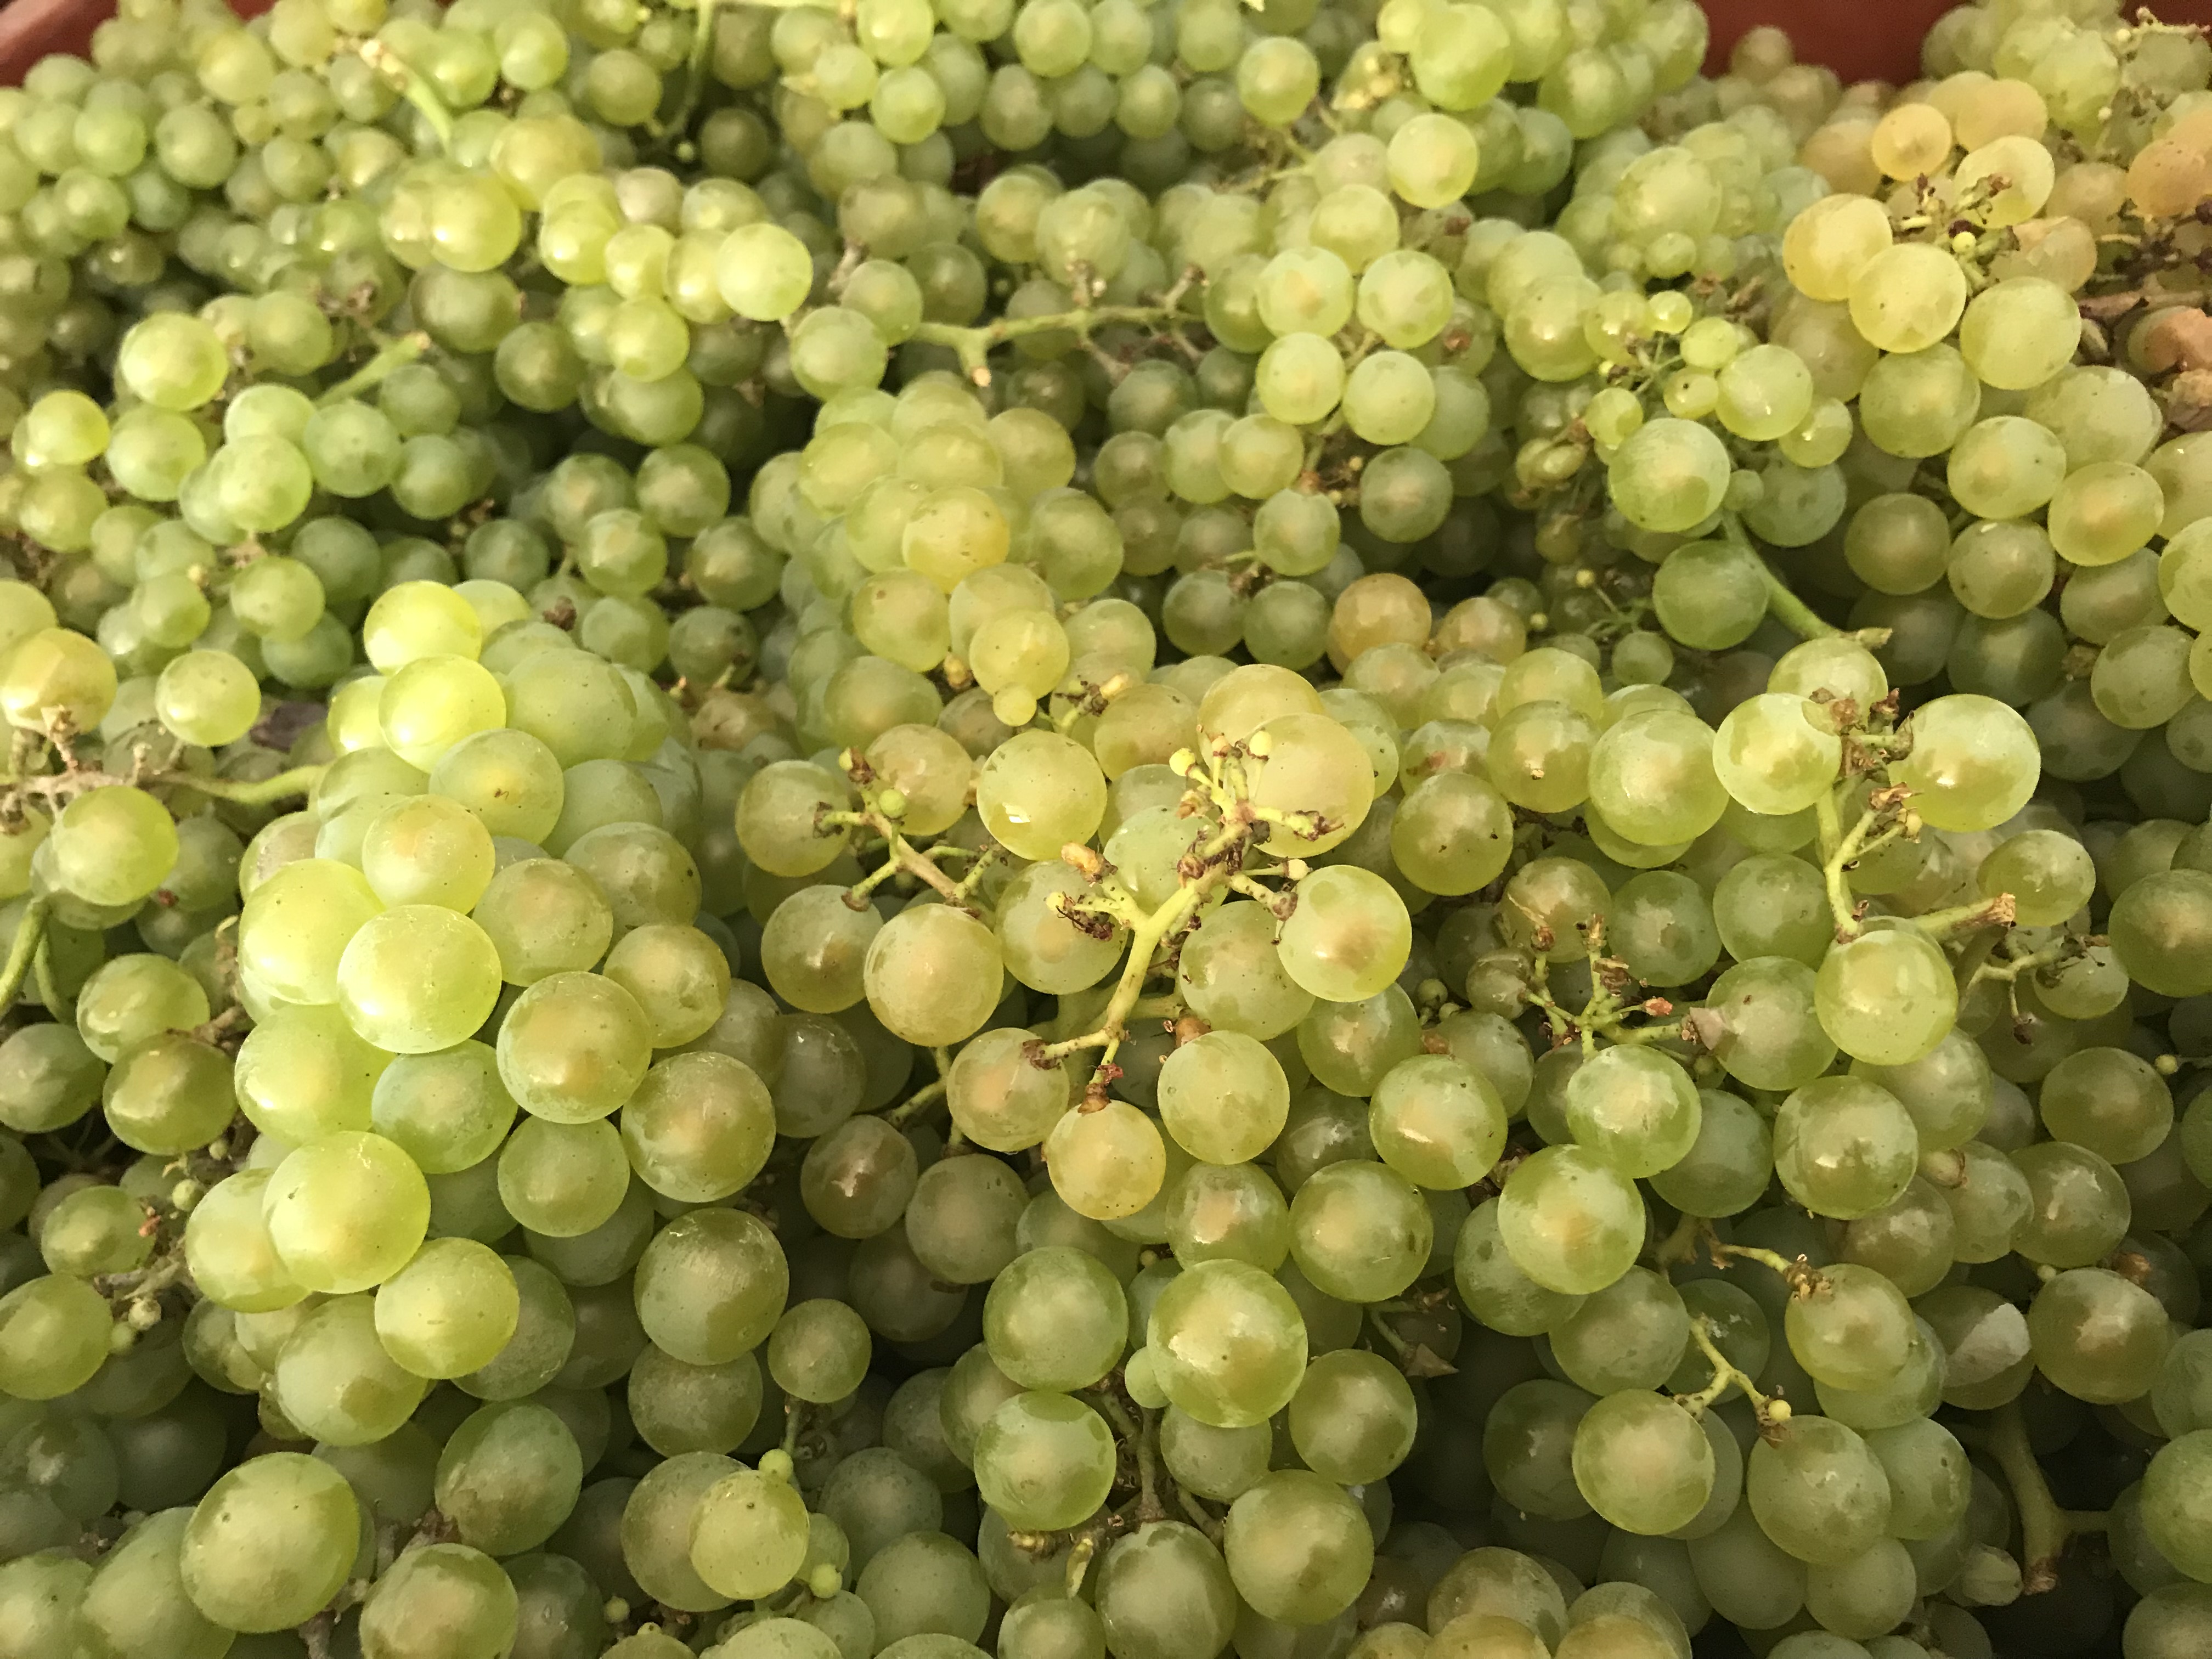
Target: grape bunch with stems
x=1336, y=829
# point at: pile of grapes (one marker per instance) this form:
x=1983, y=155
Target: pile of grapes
x=940, y=827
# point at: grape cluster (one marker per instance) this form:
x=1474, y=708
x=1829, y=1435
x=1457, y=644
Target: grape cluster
x=1354, y=831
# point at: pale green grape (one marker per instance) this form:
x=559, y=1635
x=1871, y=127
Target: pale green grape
x=418, y=978
x=1634, y=1109
x=346, y=1211
x=53, y=1336
x=448, y=1311
x=933, y=974
x=1817, y=1491
x=1044, y=1461
x=1571, y=1222
x=1228, y=1347
x=270, y=1542
x=1775, y=754
x=561, y=1180
x=1348, y=936
x=699, y=1127
x=1359, y=1230
x=296, y=926
x=573, y=1046
x=1887, y=997
x=1843, y=1147
x=711, y=1286
x=336, y=1380
x=1223, y=1097
x=228, y=1248
x=1437, y=1121
x=1040, y=792
x=1642, y=1463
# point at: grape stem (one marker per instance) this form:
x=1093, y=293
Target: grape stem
x=919, y=1100
x=2044, y=1528
x=974, y=344
x=1605, y=1009
x=694, y=71
x=2009, y=970
x=1771, y=1409
x=30, y=937
x=414, y=87
x=1141, y=1432
x=1219, y=786
x=880, y=811
x=1782, y=602
x=1966, y=918
x=1802, y=1278
x=1848, y=848
x=392, y=354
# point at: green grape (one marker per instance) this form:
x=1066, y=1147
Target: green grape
x=573, y=1046
x=711, y=1286
x=337, y=1380
x=1054, y=1319
x=427, y=849
x=1360, y=1232
x=1770, y=1037
x=562, y=1179
x=1234, y=978
x=167, y=1094
x=932, y=975
x=1669, y=475
x=133, y=998
x=1437, y=1121
x=296, y=924
x=1045, y=950
x=2174, y=1501
x=1228, y=1210
x=1044, y=1461
x=1774, y=754
x=1887, y=997
x=418, y=978
x=346, y=1212
x=1642, y=1462
x=545, y=917
x=1634, y=1109
x=1854, y=1331
x=472, y=1601
x=1347, y=936
x=1845, y=1146
x=998, y=1098
x=270, y=1542
x=1571, y=1222
x=112, y=845
x=1298, y=1548
x=228, y=1248
x=1451, y=836
x=2048, y=873
x=448, y=1311
x=1228, y=1347
x=2097, y=1336
x=53, y=1336
x=924, y=1583
x=49, y=1078
x=173, y=362
x=2154, y=930
x=2109, y=1100
x=1223, y=1097
x=94, y=1231
x=1818, y=1491
x=699, y=1127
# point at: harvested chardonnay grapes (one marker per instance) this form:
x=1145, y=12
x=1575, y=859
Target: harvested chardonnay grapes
x=1105, y=829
